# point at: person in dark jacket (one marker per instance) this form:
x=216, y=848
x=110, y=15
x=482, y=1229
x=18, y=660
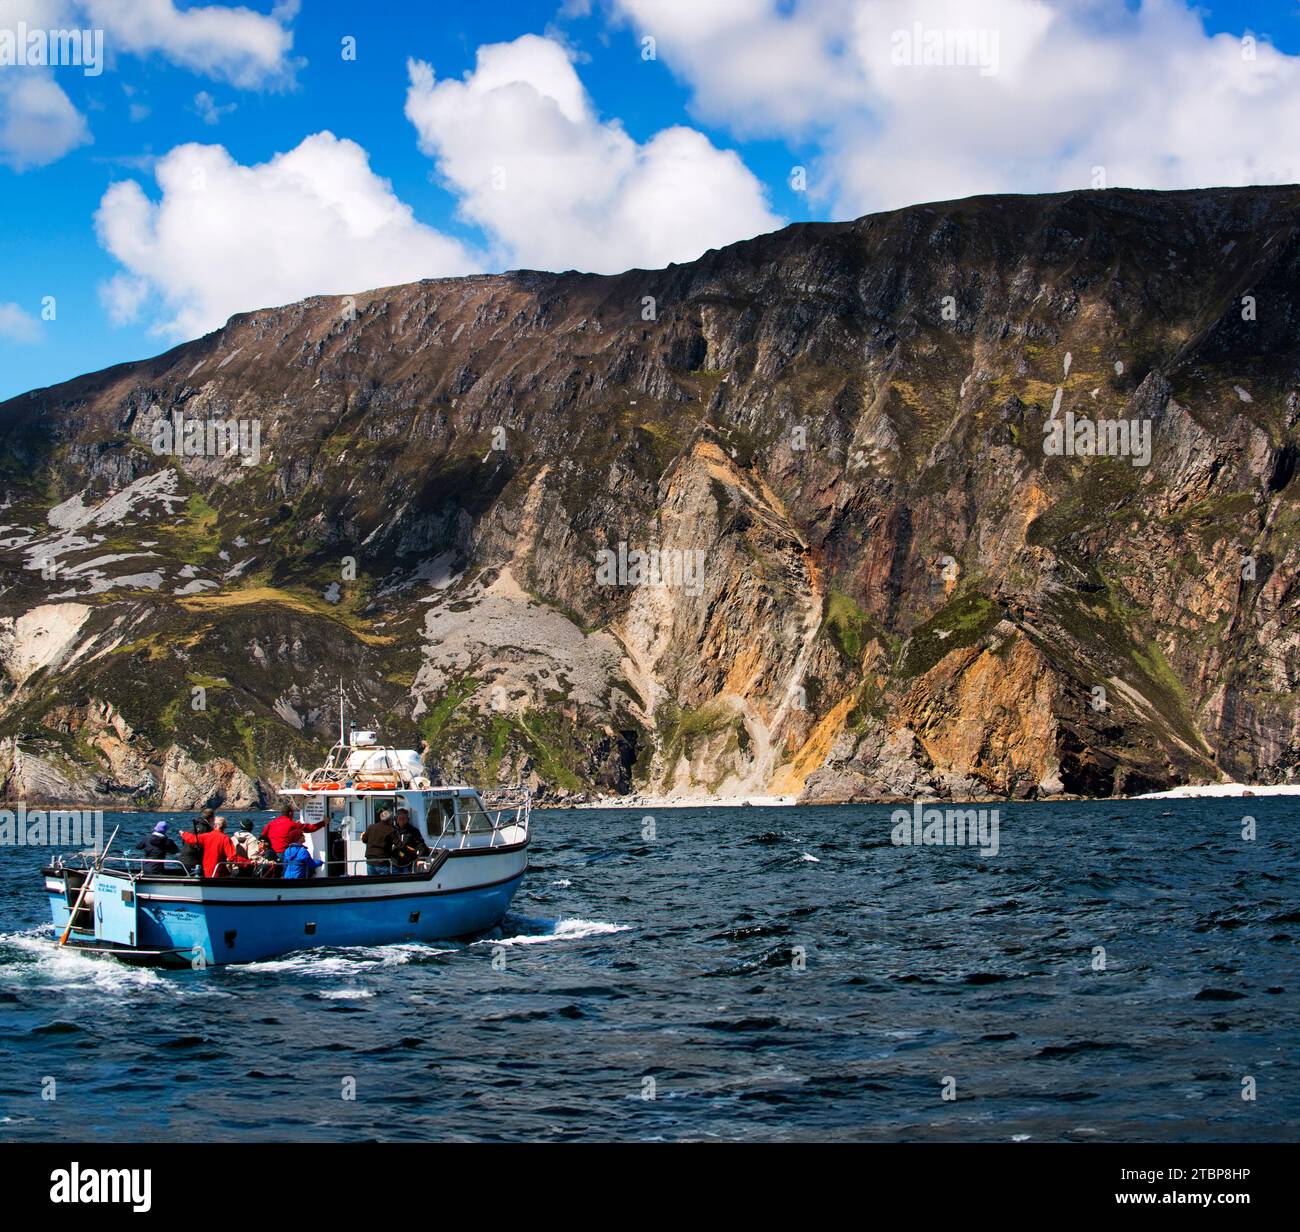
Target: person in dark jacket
x=378, y=838
x=298, y=862
x=408, y=846
x=191, y=853
x=190, y=856
x=157, y=847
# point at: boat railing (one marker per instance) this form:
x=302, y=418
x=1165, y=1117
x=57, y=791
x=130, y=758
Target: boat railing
x=89, y=861
x=232, y=869
x=325, y=780
x=380, y=767
x=505, y=808
x=324, y=774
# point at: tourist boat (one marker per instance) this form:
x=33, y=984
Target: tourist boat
x=478, y=853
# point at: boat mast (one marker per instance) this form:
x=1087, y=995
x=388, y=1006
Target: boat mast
x=340, y=711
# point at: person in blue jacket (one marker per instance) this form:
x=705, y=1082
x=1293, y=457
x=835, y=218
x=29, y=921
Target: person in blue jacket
x=298, y=862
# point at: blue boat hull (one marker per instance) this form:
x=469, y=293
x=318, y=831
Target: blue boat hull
x=260, y=925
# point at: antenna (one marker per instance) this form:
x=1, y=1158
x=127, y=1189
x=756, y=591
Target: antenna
x=340, y=710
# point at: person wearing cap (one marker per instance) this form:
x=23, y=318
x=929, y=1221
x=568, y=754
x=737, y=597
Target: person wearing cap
x=250, y=851
x=378, y=838
x=157, y=847
x=408, y=846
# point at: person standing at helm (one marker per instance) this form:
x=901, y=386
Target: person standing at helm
x=378, y=838
x=408, y=846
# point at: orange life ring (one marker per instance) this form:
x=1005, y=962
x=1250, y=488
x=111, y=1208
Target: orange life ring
x=320, y=786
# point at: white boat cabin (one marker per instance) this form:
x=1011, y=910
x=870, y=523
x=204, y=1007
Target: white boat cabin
x=363, y=779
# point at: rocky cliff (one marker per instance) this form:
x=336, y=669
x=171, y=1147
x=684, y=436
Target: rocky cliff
x=994, y=497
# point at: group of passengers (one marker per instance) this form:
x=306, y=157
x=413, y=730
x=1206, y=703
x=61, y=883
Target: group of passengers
x=393, y=845
x=208, y=850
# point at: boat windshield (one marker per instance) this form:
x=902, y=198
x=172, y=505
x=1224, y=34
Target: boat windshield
x=441, y=818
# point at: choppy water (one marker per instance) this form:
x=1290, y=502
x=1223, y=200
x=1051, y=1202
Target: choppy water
x=628, y=960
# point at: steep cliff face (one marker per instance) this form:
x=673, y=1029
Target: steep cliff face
x=988, y=497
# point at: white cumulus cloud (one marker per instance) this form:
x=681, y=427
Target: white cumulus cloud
x=1062, y=87
x=17, y=325
x=231, y=43
x=555, y=186
x=226, y=238
x=39, y=123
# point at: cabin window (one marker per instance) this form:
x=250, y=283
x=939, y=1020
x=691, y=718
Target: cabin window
x=442, y=818
x=475, y=820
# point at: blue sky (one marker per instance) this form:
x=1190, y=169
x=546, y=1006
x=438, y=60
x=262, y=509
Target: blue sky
x=453, y=142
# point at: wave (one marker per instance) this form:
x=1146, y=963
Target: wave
x=342, y=960
x=33, y=958
x=536, y=932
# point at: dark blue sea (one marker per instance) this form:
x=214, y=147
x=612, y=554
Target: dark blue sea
x=746, y=974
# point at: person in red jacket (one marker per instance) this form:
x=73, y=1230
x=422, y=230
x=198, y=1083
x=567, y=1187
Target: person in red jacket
x=283, y=831
x=214, y=845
